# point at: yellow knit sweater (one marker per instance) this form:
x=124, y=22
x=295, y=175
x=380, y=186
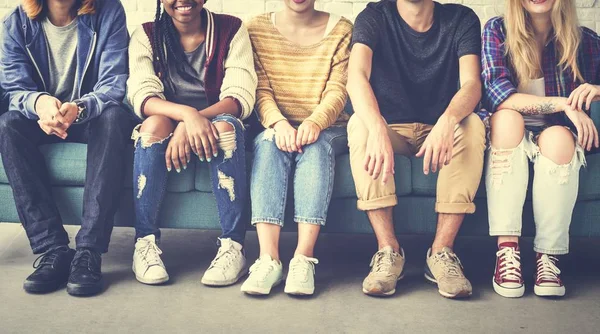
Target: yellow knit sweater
x=300, y=83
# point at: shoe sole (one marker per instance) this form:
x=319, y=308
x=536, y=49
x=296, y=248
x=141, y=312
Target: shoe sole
x=299, y=291
x=508, y=292
x=463, y=294
x=549, y=291
x=232, y=281
x=34, y=287
x=83, y=289
x=261, y=292
x=382, y=293
x=147, y=281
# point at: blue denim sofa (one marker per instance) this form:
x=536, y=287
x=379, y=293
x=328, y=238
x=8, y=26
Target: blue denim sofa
x=189, y=202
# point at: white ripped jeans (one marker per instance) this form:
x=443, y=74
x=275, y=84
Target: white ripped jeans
x=555, y=190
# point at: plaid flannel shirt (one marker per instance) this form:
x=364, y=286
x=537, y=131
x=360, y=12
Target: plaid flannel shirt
x=497, y=78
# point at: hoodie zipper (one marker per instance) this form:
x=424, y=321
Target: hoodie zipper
x=36, y=68
x=87, y=64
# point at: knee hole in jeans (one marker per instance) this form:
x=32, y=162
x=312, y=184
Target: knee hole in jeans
x=500, y=164
x=154, y=130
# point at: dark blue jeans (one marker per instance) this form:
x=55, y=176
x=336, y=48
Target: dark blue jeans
x=107, y=141
x=228, y=176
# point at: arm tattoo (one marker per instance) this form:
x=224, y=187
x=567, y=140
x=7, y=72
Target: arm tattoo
x=537, y=109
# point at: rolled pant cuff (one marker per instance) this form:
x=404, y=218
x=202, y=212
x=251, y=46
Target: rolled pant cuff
x=237, y=239
x=505, y=233
x=310, y=221
x=550, y=251
x=46, y=246
x=377, y=203
x=272, y=221
x=455, y=208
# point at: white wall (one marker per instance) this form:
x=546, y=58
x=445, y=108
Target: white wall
x=139, y=11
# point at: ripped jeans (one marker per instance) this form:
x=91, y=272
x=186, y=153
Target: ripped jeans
x=228, y=175
x=555, y=190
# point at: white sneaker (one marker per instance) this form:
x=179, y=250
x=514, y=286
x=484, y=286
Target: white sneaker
x=227, y=267
x=265, y=273
x=301, y=276
x=147, y=265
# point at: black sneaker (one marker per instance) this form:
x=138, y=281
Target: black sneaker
x=86, y=275
x=51, y=270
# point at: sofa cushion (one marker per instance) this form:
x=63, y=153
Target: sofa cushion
x=589, y=180
x=66, y=164
x=343, y=184
x=425, y=185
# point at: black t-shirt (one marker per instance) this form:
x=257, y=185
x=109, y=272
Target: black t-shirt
x=415, y=75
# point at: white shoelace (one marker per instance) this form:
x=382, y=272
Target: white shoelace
x=225, y=257
x=547, y=269
x=511, y=262
x=299, y=268
x=150, y=253
x=261, y=269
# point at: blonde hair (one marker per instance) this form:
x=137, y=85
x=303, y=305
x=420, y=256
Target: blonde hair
x=37, y=8
x=521, y=46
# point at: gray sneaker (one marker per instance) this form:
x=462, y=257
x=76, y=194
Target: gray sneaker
x=387, y=268
x=445, y=269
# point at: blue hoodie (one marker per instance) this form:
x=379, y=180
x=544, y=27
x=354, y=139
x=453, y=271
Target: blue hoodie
x=102, y=64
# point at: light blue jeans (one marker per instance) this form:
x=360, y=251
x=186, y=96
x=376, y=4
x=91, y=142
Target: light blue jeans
x=554, y=193
x=313, y=178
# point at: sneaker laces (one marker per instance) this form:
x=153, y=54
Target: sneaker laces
x=150, y=253
x=382, y=261
x=261, y=269
x=511, y=264
x=299, y=268
x=547, y=269
x=48, y=258
x=451, y=263
x=225, y=257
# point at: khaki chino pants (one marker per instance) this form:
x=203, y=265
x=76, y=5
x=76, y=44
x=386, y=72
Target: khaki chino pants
x=457, y=182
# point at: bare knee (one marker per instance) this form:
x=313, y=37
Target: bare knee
x=507, y=129
x=227, y=139
x=557, y=144
x=223, y=126
x=156, y=128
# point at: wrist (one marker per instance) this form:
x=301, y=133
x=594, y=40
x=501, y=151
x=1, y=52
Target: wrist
x=38, y=100
x=451, y=119
x=189, y=112
x=377, y=124
x=561, y=103
x=279, y=123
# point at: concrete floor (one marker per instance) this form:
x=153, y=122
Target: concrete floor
x=185, y=306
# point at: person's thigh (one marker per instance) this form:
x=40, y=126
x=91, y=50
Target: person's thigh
x=269, y=179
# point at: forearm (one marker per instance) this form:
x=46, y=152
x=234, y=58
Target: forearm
x=156, y=106
x=364, y=102
x=533, y=105
x=177, y=112
x=464, y=102
x=267, y=110
x=225, y=106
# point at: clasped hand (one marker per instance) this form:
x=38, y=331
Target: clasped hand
x=55, y=117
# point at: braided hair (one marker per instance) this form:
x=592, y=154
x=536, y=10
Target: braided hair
x=166, y=44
